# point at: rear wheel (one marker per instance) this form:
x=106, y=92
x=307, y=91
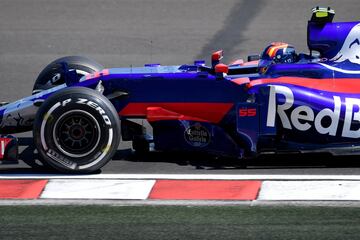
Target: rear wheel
x=76, y=130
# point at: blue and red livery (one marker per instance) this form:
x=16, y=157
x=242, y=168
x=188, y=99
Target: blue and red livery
x=277, y=102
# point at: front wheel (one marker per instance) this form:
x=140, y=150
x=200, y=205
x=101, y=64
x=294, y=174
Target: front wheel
x=53, y=74
x=77, y=130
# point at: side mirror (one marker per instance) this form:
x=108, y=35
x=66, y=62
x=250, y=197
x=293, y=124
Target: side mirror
x=221, y=70
x=216, y=57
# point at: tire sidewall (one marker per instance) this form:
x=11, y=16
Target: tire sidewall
x=76, y=100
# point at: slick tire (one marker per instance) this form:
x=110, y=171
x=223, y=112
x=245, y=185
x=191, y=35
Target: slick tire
x=52, y=75
x=76, y=130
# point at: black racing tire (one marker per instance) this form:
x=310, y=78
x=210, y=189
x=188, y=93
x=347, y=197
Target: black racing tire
x=52, y=75
x=76, y=130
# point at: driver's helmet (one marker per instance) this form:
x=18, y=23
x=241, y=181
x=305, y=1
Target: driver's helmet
x=279, y=52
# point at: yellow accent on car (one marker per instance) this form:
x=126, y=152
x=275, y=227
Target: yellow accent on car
x=321, y=14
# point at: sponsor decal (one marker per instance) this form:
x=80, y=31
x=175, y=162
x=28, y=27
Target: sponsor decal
x=96, y=107
x=303, y=117
x=60, y=159
x=197, y=135
x=351, y=47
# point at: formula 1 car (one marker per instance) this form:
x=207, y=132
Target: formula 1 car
x=276, y=102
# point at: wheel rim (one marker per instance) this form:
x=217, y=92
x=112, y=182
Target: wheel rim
x=76, y=133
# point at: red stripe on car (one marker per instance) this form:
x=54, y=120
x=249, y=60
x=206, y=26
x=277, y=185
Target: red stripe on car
x=212, y=112
x=159, y=114
x=104, y=72
x=240, y=81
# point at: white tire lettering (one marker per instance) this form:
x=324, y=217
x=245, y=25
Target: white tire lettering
x=66, y=102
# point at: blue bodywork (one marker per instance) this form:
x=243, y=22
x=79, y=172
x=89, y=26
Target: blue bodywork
x=311, y=105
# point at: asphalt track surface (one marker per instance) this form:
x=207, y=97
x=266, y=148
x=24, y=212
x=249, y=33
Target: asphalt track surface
x=180, y=222
x=135, y=32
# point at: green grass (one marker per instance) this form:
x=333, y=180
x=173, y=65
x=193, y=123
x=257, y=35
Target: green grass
x=181, y=222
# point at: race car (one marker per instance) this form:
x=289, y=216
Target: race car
x=278, y=101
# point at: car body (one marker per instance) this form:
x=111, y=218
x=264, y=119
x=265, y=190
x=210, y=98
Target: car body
x=239, y=110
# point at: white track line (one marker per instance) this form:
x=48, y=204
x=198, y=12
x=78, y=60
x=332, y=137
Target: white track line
x=182, y=176
x=88, y=202
x=98, y=189
x=310, y=190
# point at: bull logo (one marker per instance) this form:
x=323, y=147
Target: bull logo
x=351, y=48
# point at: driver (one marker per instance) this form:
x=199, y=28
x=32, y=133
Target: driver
x=277, y=52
